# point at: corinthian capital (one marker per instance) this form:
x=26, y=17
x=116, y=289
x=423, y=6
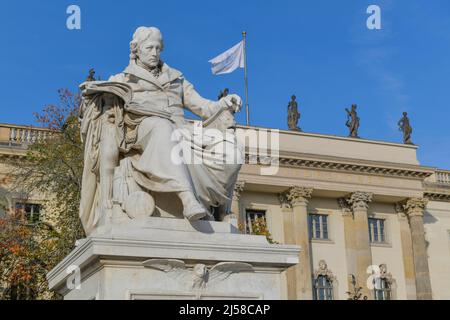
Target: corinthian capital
x=238, y=188
x=299, y=195
x=360, y=200
x=415, y=207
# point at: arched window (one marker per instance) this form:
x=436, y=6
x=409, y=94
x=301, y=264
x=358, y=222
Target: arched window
x=324, y=282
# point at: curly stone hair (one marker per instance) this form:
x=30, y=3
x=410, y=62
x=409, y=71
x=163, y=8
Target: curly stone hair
x=142, y=34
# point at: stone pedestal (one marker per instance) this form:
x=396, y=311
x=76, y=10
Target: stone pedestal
x=161, y=258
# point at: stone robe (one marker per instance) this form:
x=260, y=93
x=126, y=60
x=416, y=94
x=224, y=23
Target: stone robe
x=149, y=128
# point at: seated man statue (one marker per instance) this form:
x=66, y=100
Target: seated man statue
x=129, y=125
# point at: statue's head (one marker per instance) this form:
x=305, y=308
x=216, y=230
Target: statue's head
x=405, y=114
x=146, y=46
x=293, y=97
x=323, y=265
x=354, y=106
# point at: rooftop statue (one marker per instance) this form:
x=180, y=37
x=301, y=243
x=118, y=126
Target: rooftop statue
x=91, y=76
x=223, y=94
x=133, y=125
x=352, y=121
x=293, y=114
x=406, y=128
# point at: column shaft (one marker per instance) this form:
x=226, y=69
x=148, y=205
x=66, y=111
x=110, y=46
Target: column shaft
x=415, y=210
x=363, y=254
x=408, y=255
x=289, y=238
x=363, y=250
x=298, y=198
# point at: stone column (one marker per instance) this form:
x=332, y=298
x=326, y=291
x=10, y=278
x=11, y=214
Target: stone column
x=407, y=253
x=298, y=198
x=231, y=211
x=235, y=208
x=414, y=209
x=359, y=202
x=289, y=238
x=350, y=241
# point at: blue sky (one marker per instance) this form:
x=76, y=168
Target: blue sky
x=319, y=50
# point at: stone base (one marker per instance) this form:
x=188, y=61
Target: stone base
x=114, y=263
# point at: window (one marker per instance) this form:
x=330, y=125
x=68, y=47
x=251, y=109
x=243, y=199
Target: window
x=318, y=226
x=29, y=211
x=323, y=282
x=377, y=230
x=382, y=289
x=253, y=216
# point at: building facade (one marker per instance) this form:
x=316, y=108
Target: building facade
x=360, y=210
x=14, y=140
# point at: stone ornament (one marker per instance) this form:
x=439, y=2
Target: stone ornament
x=299, y=195
x=360, y=200
x=324, y=271
x=285, y=203
x=238, y=189
x=400, y=209
x=345, y=206
x=415, y=207
x=384, y=274
x=200, y=276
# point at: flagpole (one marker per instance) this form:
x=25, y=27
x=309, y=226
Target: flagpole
x=244, y=35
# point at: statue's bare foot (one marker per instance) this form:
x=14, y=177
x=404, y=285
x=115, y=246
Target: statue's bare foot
x=192, y=209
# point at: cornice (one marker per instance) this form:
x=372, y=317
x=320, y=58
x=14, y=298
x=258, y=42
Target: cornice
x=332, y=137
x=346, y=165
x=434, y=196
x=437, y=191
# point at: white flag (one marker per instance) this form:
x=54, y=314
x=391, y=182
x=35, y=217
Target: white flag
x=229, y=61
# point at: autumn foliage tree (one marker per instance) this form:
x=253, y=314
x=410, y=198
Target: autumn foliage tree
x=53, y=166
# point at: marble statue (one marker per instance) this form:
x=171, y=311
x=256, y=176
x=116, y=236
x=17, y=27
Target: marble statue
x=405, y=126
x=352, y=121
x=293, y=114
x=131, y=125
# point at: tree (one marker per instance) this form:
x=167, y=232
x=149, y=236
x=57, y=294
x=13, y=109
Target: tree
x=53, y=166
x=25, y=258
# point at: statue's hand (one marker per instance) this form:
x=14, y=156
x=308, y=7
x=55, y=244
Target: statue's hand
x=234, y=102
